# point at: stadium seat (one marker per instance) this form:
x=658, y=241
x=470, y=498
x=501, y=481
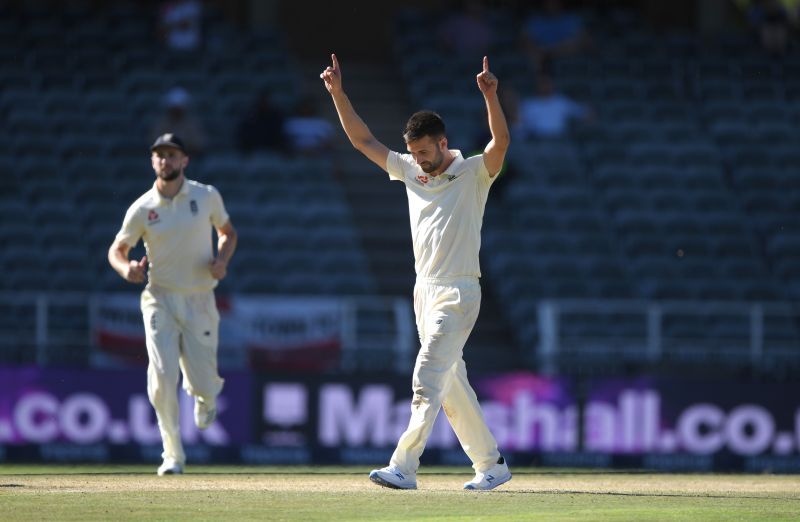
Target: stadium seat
x=693, y=148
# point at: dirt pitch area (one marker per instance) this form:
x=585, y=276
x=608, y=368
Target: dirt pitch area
x=523, y=482
x=261, y=493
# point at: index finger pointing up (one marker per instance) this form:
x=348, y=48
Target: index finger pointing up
x=335, y=62
x=485, y=64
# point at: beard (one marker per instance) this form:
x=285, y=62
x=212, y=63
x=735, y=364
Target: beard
x=431, y=166
x=170, y=175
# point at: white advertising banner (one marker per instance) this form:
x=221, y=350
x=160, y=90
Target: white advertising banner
x=303, y=333
x=288, y=333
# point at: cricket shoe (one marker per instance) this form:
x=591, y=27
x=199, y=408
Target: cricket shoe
x=391, y=477
x=170, y=467
x=491, y=478
x=204, y=413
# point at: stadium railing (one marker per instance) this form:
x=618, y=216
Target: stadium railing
x=758, y=335
x=66, y=329
x=377, y=333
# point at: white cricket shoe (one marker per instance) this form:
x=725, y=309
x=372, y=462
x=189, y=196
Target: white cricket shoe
x=391, y=477
x=170, y=467
x=204, y=413
x=491, y=478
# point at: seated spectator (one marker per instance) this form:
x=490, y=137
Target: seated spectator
x=548, y=113
x=553, y=33
x=308, y=133
x=772, y=21
x=262, y=128
x=466, y=32
x=180, y=24
x=178, y=118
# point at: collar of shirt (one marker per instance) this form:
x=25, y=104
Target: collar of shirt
x=184, y=190
x=449, y=171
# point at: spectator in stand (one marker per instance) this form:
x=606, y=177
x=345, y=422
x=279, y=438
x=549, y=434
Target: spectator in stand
x=262, y=128
x=772, y=21
x=548, y=113
x=466, y=32
x=178, y=118
x=308, y=133
x=180, y=24
x=552, y=33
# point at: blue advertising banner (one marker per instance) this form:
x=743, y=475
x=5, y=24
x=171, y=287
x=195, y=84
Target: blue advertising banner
x=355, y=421
x=708, y=424
x=530, y=413
x=89, y=407
x=104, y=415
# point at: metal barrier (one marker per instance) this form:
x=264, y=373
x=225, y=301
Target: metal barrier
x=378, y=333
x=752, y=334
x=44, y=328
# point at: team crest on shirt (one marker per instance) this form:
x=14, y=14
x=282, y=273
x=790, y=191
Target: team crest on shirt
x=152, y=217
x=422, y=179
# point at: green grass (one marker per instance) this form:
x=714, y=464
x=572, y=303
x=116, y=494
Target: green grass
x=344, y=493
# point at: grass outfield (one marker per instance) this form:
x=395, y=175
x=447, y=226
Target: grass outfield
x=117, y=493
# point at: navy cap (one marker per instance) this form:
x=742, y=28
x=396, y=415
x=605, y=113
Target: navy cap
x=169, y=140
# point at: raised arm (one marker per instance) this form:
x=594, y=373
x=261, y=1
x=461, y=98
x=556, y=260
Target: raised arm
x=495, y=152
x=355, y=128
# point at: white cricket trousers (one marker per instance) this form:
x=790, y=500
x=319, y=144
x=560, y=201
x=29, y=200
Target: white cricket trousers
x=446, y=311
x=182, y=333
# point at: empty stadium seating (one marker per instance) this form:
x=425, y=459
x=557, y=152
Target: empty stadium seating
x=685, y=187
x=75, y=154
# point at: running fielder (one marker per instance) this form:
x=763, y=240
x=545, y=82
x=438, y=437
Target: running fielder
x=446, y=199
x=180, y=313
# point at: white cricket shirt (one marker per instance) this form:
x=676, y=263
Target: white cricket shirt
x=446, y=213
x=177, y=235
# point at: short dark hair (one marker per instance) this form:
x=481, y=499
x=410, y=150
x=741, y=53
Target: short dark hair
x=423, y=123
